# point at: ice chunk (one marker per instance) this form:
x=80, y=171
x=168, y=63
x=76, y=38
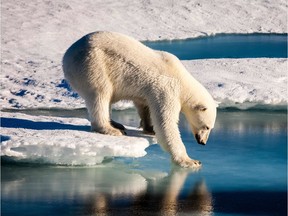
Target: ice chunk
x=65, y=141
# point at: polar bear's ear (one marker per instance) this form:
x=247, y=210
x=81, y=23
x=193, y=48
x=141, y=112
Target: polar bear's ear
x=200, y=107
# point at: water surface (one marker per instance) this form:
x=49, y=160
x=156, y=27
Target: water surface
x=226, y=46
x=244, y=173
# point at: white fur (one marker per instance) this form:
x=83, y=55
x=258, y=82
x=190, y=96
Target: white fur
x=105, y=67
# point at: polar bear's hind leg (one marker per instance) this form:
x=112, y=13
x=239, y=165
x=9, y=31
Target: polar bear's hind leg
x=98, y=106
x=144, y=113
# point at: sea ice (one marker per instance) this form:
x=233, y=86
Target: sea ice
x=36, y=34
x=65, y=141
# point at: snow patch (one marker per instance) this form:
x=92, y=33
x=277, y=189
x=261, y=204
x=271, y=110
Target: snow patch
x=243, y=83
x=65, y=141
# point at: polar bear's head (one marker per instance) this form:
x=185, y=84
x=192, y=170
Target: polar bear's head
x=201, y=118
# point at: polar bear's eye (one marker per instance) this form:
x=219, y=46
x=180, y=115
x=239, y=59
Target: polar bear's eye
x=206, y=127
x=200, y=107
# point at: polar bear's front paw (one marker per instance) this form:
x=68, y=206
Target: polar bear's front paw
x=188, y=163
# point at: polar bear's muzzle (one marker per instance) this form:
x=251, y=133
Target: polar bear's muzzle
x=199, y=140
x=202, y=137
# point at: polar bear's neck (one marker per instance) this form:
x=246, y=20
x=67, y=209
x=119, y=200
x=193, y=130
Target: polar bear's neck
x=192, y=90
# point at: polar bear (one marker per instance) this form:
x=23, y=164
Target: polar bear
x=105, y=67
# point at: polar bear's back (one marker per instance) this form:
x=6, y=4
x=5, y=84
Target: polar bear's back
x=121, y=44
x=102, y=59
x=109, y=44
x=101, y=49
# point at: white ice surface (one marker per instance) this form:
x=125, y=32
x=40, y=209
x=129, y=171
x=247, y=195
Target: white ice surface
x=65, y=141
x=35, y=35
x=243, y=83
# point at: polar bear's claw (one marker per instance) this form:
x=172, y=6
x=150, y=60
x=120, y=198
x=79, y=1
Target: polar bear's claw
x=117, y=125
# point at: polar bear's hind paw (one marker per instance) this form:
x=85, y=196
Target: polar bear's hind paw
x=110, y=131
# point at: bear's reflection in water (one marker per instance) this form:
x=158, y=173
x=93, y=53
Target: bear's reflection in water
x=105, y=191
x=160, y=197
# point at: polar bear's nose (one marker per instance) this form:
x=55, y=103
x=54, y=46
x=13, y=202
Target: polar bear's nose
x=200, y=140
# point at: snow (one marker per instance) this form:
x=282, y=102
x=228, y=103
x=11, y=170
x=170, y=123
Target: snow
x=244, y=83
x=65, y=141
x=241, y=83
x=35, y=35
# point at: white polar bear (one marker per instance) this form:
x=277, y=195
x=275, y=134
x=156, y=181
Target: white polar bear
x=105, y=67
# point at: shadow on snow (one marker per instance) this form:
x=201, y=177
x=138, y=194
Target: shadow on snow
x=28, y=124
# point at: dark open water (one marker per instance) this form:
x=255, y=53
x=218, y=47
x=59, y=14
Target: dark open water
x=244, y=173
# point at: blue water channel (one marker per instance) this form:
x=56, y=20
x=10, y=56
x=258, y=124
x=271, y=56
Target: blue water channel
x=244, y=166
x=226, y=46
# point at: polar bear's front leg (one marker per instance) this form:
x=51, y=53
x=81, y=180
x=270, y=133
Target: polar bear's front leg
x=165, y=118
